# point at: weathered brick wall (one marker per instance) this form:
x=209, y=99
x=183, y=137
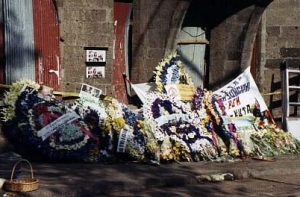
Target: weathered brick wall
x=85, y=23
x=280, y=41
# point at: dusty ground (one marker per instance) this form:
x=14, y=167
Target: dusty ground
x=253, y=178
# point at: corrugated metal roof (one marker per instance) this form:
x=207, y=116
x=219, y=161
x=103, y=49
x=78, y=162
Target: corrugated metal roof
x=19, y=40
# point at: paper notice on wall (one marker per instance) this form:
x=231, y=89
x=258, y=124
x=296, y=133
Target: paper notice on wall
x=51, y=128
x=241, y=95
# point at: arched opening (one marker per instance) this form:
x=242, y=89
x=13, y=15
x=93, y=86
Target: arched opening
x=217, y=39
x=193, y=45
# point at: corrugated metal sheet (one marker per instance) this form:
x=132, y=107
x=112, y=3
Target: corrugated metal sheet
x=46, y=41
x=2, y=65
x=19, y=42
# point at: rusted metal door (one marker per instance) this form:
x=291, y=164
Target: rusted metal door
x=46, y=43
x=122, y=18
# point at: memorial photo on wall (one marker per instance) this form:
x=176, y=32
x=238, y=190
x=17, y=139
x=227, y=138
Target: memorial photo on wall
x=95, y=55
x=95, y=72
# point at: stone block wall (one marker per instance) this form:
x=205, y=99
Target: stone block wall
x=85, y=23
x=281, y=33
x=154, y=22
x=226, y=47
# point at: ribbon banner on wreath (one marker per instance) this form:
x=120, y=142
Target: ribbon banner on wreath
x=51, y=128
x=181, y=91
x=241, y=96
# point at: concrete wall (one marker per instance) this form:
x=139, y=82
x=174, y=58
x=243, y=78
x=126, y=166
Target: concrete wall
x=280, y=36
x=85, y=23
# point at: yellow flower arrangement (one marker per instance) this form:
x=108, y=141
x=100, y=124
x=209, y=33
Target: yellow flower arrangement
x=11, y=97
x=147, y=129
x=118, y=124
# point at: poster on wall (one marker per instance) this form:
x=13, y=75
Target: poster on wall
x=96, y=55
x=95, y=72
x=241, y=96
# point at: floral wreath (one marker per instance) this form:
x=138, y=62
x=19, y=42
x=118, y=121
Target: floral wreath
x=170, y=71
x=187, y=131
x=70, y=142
x=11, y=96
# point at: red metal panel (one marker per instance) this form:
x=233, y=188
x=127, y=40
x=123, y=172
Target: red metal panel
x=121, y=13
x=46, y=41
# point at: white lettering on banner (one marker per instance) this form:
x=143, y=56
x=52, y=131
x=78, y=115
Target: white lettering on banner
x=235, y=91
x=234, y=102
x=241, y=95
x=167, y=118
x=242, y=111
x=51, y=128
x=122, y=141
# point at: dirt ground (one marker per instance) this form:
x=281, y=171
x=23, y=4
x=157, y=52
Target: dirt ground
x=280, y=177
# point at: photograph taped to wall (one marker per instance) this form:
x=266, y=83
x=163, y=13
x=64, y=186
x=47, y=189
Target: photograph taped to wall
x=95, y=55
x=95, y=72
